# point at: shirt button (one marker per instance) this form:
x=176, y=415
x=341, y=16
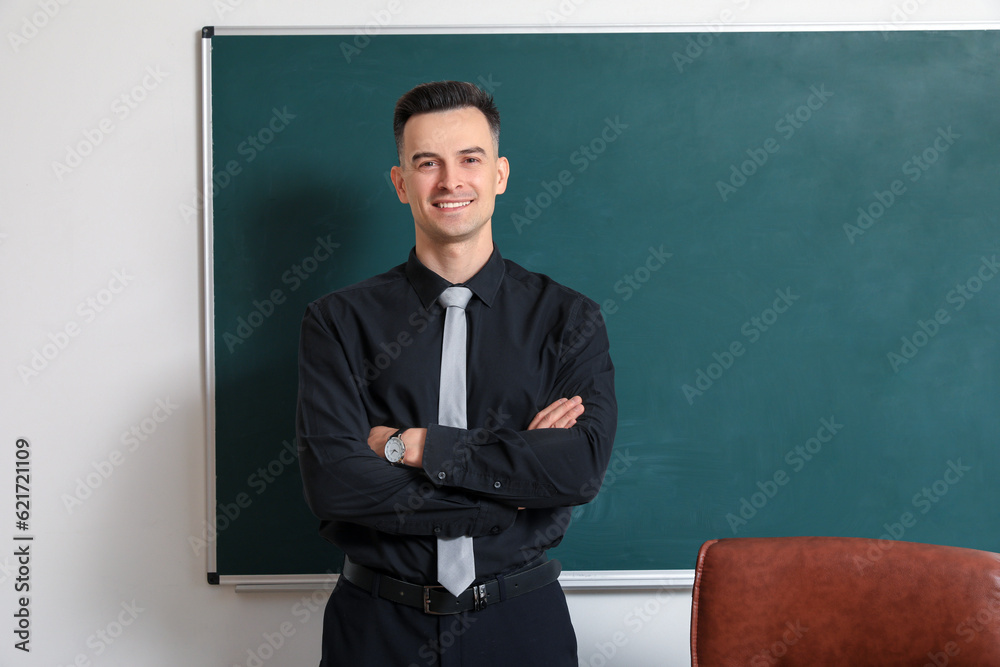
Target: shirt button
x=441, y=475
x=496, y=485
x=437, y=529
x=495, y=530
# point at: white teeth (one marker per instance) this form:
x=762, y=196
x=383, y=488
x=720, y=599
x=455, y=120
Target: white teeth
x=452, y=204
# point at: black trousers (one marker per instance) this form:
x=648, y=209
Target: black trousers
x=361, y=630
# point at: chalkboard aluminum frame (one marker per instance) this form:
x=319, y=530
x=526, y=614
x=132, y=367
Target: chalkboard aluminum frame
x=573, y=580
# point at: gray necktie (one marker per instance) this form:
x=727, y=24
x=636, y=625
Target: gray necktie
x=456, y=560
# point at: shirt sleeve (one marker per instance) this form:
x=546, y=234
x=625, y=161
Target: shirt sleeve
x=344, y=480
x=543, y=467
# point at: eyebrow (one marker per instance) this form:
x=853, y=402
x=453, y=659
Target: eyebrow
x=475, y=150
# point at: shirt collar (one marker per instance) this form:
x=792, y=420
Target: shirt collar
x=429, y=285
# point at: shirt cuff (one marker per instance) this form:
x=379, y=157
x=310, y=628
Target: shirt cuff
x=445, y=455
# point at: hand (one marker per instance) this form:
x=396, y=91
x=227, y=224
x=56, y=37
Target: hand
x=378, y=436
x=561, y=414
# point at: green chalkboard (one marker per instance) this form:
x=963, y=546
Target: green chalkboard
x=794, y=236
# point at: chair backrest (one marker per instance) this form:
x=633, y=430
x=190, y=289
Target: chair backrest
x=814, y=601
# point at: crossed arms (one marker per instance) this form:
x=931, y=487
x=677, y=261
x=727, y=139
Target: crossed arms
x=455, y=481
x=560, y=414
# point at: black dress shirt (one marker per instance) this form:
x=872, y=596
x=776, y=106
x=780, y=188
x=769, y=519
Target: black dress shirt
x=370, y=355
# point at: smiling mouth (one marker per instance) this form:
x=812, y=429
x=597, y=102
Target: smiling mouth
x=452, y=204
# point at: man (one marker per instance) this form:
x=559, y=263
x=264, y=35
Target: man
x=392, y=483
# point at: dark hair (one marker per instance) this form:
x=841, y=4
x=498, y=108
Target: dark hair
x=444, y=96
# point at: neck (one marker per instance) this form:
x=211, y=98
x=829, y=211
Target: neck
x=458, y=261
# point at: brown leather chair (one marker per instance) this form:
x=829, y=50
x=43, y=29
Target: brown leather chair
x=816, y=601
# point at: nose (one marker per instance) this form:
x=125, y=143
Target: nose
x=450, y=180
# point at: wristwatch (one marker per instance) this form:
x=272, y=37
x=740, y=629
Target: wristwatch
x=395, y=448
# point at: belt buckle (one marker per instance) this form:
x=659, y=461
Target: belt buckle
x=479, y=600
x=427, y=602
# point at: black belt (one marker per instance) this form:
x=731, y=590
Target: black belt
x=437, y=600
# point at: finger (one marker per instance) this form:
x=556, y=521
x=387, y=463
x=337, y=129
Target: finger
x=565, y=412
x=543, y=414
x=548, y=415
x=568, y=418
x=562, y=414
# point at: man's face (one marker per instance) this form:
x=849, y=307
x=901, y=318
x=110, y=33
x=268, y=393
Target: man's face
x=450, y=175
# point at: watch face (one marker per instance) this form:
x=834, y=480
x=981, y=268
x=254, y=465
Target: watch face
x=394, y=449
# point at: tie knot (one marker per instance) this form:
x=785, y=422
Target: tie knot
x=455, y=296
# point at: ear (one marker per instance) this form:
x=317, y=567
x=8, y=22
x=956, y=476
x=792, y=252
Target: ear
x=503, y=171
x=396, y=174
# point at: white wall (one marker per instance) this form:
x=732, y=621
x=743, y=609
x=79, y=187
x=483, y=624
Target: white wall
x=119, y=563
